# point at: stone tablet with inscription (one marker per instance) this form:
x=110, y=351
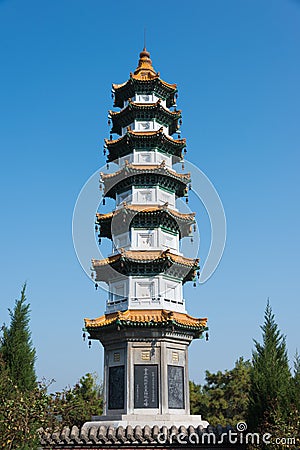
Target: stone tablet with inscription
x=116, y=387
x=175, y=387
x=145, y=386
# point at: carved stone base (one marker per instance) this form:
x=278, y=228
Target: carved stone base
x=146, y=378
x=146, y=374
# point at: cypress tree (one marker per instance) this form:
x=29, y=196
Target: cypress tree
x=16, y=346
x=270, y=388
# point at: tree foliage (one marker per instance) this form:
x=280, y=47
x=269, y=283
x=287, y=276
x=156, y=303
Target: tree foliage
x=25, y=405
x=274, y=393
x=224, y=397
x=74, y=406
x=16, y=346
x=22, y=413
x=271, y=379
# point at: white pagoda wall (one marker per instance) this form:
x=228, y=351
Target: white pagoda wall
x=141, y=292
x=146, y=157
x=146, y=98
x=145, y=125
x=146, y=196
x=144, y=239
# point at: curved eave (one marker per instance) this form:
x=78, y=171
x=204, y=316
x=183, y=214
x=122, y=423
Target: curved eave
x=122, y=219
x=134, y=86
x=195, y=330
x=146, y=256
x=143, y=111
x=163, y=180
x=135, y=135
x=149, y=261
x=186, y=217
x=119, y=87
x=161, y=169
x=112, y=181
x=154, y=139
x=147, y=318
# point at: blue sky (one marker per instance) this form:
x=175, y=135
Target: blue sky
x=237, y=67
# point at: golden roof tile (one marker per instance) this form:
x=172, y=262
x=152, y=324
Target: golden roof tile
x=146, y=256
x=147, y=168
x=143, y=208
x=146, y=315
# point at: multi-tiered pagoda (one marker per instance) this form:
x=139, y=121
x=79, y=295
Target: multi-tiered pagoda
x=145, y=330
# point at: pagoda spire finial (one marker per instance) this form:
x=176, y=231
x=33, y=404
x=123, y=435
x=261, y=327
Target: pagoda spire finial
x=144, y=70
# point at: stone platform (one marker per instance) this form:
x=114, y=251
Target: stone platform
x=151, y=420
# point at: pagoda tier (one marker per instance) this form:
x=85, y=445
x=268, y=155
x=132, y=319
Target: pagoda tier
x=127, y=90
x=141, y=216
x=146, y=318
x=146, y=263
x=145, y=175
x=145, y=81
x=144, y=111
x=144, y=140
